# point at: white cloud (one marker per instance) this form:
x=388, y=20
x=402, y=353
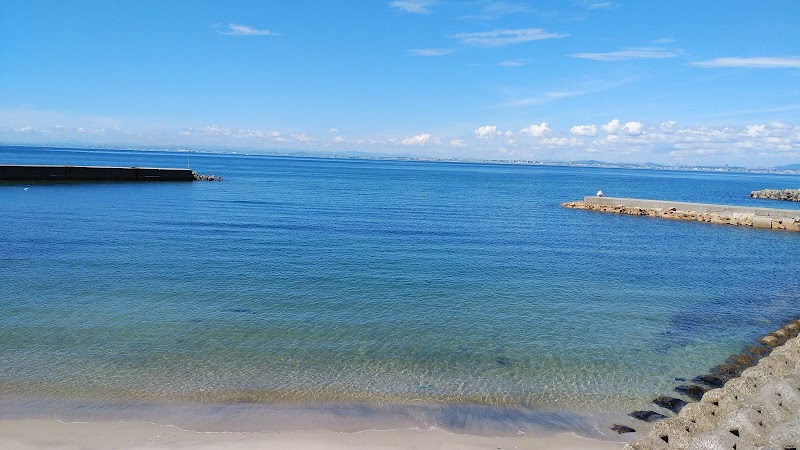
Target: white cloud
x=334, y=130
x=413, y=6
x=561, y=142
x=535, y=130
x=459, y=143
x=546, y=98
x=90, y=131
x=303, y=137
x=486, y=131
x=338, y=139
x=215, y=130
x=755, y=130
x=244, y=133
x=584, y=130
x=431, y=51
x=665, y=40
x=632, y=128
x=243, y=30
x=760, y=62
x=420, y=139
x=512, y=63
x=590, y=4
x=632, y=53
x=668, y=126
x=495, y=9
x=503, y=37
x=31, y=130
x=611, y=127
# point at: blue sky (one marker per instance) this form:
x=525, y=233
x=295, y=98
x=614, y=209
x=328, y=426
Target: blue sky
x=714, y=82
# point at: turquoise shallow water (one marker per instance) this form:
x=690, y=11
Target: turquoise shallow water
x=339, y=282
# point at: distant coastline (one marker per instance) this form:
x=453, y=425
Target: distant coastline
x=791, y=169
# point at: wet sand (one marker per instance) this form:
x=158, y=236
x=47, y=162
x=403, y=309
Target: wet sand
x=50, y=434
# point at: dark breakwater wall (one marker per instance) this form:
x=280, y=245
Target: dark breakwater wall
x=92, y=173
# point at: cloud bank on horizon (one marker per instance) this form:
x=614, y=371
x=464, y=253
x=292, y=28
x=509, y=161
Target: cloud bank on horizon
x=487, y=79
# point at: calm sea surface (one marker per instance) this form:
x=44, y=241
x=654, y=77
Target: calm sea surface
x=382, y=284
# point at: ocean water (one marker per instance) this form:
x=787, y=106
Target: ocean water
x=341, y=290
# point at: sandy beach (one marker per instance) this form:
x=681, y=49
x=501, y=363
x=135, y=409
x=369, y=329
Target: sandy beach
x=50, y=434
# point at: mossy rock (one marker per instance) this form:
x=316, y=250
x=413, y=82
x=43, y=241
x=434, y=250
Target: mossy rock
x=692, y=391
x=671, y=403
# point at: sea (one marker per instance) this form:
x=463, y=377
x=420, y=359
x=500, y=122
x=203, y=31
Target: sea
x=351, y=294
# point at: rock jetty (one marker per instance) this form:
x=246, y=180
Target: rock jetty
x=199, y=177
x=788, y=220
x=758, y=410
x=789, y=195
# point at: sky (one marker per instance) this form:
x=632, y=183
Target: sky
x=678, y=82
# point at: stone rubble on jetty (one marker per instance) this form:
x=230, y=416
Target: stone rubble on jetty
x=789, y=195
x=758, y=410
x=199, y=177
x=722, y=218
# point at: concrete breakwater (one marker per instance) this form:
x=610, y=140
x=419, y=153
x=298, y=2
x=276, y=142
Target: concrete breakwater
x=768, y=218
x=92, y=173
x=759, y=409
x=789, y=195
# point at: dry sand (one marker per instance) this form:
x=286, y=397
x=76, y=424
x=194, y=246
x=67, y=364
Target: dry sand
x=52, y=435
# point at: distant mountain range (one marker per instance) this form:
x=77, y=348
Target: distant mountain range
x=789, y=167
x=785, y=169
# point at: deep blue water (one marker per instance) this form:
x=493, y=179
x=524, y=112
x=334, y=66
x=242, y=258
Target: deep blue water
x=381, y=282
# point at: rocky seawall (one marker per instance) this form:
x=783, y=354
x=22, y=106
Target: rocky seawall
x=788, y=220
x=789, y=195
x=758, y=410
x=200, y=177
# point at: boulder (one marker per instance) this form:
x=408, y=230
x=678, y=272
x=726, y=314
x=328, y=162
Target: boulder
x=727, y=370
x=671, y=403
x=742, y=359
x=621, y=429
x=647, y=416
x=715, y=381
x=692, y=391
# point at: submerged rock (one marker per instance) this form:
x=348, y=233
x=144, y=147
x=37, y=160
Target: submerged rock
x=671, y=403
x=770, y=340
x=712, y=380
x=692, y=391
x=758, y=350
x=503, y=360
x=727, y=370
x=647, y=416
x=742, y=359
x=621, y=429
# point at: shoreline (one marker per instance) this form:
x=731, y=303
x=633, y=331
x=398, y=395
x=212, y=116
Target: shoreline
x=33, y=434
x=42, y=423
x=247, y=417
